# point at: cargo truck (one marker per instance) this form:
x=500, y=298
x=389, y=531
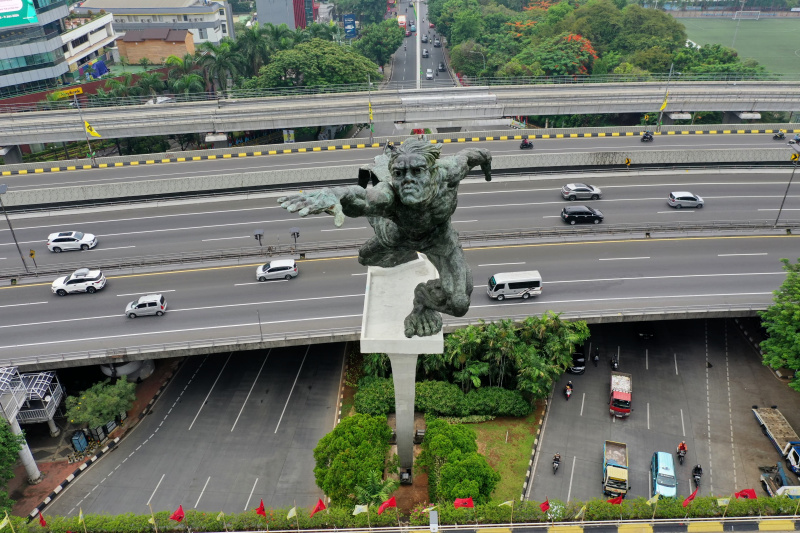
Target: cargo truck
x=615, y=469
x=777, y=483
x=780, y=433
x=621, y=389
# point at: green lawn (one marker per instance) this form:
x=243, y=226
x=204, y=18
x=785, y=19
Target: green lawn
x=772, y=42
x=509, y=459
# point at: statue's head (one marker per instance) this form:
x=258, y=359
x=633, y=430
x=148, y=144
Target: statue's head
x=412, y=166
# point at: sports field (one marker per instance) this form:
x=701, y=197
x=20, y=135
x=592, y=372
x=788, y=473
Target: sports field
x=772, y=42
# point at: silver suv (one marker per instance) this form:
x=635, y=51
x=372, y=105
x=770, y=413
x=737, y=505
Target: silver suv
x=278, y=269
x=70, y=240
x=580, y=191
x=684, y=199
x=150, y=304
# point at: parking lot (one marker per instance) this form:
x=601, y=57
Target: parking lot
x=694, y=380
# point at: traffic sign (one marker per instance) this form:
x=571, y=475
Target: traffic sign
x=794, y=157
x=69, y=92
x=32, y=253
x=627, y=161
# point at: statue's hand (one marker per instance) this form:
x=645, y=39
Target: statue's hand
x=314, y=203
x=487, y=170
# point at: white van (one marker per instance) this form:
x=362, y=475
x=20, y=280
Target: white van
x=515, y=285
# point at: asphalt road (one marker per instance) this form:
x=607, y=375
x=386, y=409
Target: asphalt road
x=227, y=432
x=695, y=381
x=220, y=302
x=361, y=156
x=404, y=67
x=502, y=204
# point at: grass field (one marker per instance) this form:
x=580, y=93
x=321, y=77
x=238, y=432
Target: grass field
x=771, y=42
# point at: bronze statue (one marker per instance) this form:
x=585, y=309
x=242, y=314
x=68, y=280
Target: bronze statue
x=414, y=194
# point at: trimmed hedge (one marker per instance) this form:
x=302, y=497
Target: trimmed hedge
x=375, y=396
x=485, y=514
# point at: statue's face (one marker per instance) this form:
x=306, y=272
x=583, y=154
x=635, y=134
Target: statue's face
x=412, y=180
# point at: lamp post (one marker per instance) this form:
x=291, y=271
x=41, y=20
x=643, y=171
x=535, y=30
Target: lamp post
x=3, y=189
x=483, y=56
x=791, y=177
x=369, y=96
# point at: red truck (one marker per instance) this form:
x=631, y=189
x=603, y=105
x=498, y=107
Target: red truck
x=619, y=404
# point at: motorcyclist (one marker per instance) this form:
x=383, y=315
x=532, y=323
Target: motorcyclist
x=682, y=447
x=697, y=470
x=797, y=138
x=390, y=145
x=648, y=135
x=526, y=142
x=779, y=135
x=557, y=458
x=569, y=385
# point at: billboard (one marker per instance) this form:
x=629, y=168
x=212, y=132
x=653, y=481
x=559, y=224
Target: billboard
x=17, y=13
x=350, y=26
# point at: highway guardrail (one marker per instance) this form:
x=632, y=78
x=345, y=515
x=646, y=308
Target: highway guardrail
x=467, y=238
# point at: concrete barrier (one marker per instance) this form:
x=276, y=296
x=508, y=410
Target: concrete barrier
x=349, y=173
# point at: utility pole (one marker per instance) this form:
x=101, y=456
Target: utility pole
x=83, y=127
x=786, y=193
x=666, y=95
x=3, y=189
x=369, y=91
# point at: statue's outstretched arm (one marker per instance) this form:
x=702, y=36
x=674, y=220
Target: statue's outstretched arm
x=472, y=157
x=352, y=201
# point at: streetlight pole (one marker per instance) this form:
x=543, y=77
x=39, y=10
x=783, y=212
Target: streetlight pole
x=85, y=133
x=666, y=95
x=786, y=193
x=369, y=92
x=3, y=189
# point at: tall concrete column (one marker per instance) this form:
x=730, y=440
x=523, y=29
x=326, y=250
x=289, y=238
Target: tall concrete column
x=12, y=155
x=25, y=455
x=730, y=117
x=55, y=431
x=404, y=374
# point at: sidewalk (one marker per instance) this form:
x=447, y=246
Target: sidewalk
x=52, y=453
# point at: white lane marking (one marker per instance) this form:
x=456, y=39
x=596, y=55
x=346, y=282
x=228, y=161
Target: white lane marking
x=155, y=489
x=244, y=403
x=500, y=264
x=683, y=427
x=342, y=229
x=675, y=357
x=226, y=238
x=688, y=210
x=628, y=298
x=552, y=216
x=708, y=412
x=730, y=405
x=257, y=282
x=106, y=249
x=247, y=503
x=2, y=258
x=571, y=473
x=292, y=390
x=621, y=258
x=461, y=221
x=17, y=305
x=664, y=277
x=201, y=493
x=646, y=359
x=170, y=331
x=738, y=255
x=583, y=400
x=140, y=293
x=785, y=209
x=648, y=416
x=205, y=400
x=359, y=274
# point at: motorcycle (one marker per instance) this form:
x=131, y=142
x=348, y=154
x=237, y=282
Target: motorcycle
x=525, y=145
x=567, y=392
x=647, y=138
x=614, y=362
x=681, y=455
x=778, y=136
x=556, y=462
x=696, y=475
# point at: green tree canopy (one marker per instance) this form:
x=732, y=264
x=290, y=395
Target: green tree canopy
x=346, y=456
x=565, y=54
x=782, y=322
x=10, y=446
x=101, y=402
x=368, y=11
x=379, y=41
x=315, y=63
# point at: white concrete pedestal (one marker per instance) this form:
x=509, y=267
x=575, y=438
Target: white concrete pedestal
x=389, y=298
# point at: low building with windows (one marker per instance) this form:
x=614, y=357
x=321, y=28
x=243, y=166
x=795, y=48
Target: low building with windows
x=87, y=39
x=205, y=20
x=155, y=44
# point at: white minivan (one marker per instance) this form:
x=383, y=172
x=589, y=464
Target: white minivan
x=515, y=285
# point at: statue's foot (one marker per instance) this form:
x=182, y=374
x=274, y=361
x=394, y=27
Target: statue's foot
x=423, y=323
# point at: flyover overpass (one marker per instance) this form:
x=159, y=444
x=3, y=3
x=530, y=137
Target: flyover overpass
x=423, y=105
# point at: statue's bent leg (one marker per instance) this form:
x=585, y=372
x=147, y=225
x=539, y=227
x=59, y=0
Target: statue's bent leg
x=449, y=294
x=375, y=253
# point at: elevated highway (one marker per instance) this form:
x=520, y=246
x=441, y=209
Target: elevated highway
x=408, y=106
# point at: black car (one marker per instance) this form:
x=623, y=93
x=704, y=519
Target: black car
x=581, y=214
x=441, y=67
x=578, y=364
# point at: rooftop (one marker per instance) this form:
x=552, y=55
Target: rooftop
x=109, y=5
x=156, y=34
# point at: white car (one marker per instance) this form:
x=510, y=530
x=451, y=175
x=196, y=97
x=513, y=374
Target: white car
x=429, y=74
x=278, y=269
x=70, y=240
x=149, y=304
x=82, y=280
x=684, y=199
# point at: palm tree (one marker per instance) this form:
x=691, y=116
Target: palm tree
x=318, y=31
x=255, y=45
x=144, y=63
x=222, y=60
x=181, y=66
x=280, y=37
x=188, y=83
x=375, y=490
x=150, y=83
x=120, y=88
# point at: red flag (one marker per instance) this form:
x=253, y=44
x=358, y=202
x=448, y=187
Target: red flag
x=616, y=501
x=544, y=506
x=178, y=515
x=749, y=494
x=319, y=507
x=463, y=502
x=41, y=520
x=388, y=503
x=261, y=509
x=689, y=498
